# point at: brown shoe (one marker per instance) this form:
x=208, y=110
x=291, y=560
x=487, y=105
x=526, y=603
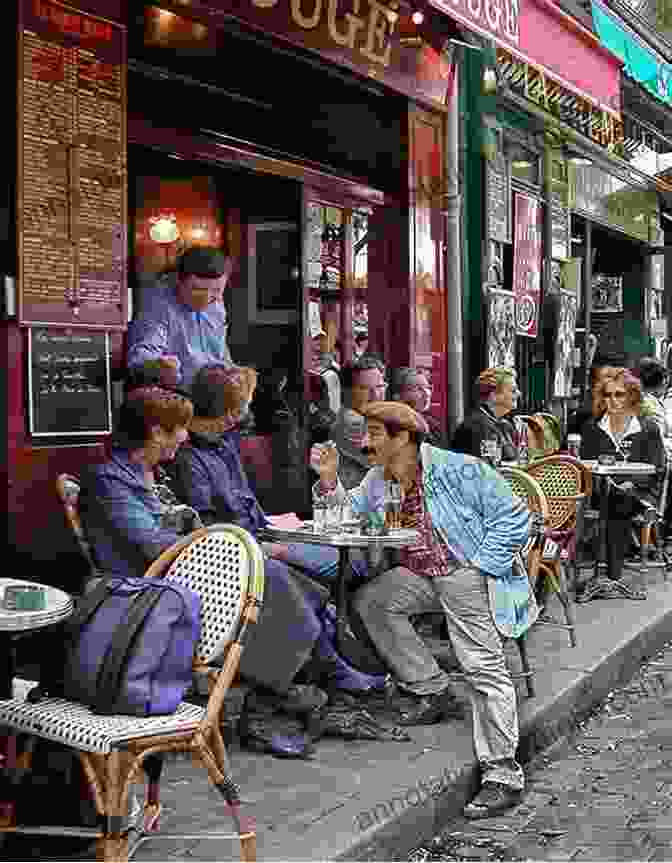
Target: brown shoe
x=430, y=709
x=493, y=799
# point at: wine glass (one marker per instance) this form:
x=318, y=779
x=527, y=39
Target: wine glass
x=626, y=446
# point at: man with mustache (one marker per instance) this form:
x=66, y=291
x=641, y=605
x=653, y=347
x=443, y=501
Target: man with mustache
x=184, y=327
x=470, y=525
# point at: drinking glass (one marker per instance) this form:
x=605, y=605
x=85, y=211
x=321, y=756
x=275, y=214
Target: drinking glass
x=626, y=446
x=392, y=504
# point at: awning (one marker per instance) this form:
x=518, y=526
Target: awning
x=640, y=61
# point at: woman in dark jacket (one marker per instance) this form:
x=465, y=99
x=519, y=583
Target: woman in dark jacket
x=621, y=431
x=498, y=395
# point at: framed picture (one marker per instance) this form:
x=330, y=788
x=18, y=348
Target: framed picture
x=501, y=332
x=564, y=346
x=273, y=272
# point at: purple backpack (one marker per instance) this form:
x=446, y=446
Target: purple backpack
x=129, y=647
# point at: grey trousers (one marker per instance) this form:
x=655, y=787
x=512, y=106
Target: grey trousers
x=385, y=604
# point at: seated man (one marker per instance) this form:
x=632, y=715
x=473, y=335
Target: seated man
x=183, y=327
x=413, y=387
x=497, y=393
x=470, y=524
x=362, y=381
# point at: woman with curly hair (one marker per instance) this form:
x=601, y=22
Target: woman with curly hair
x=619, y=429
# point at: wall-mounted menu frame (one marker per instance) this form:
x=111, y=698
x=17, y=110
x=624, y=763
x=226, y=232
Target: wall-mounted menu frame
x=72, y=177
x=69, y=392
x=498, y=199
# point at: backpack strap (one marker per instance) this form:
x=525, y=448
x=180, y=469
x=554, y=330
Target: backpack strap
x=116, y=658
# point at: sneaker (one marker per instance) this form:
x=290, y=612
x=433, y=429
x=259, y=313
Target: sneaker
x=492, y=799
x=430, y=709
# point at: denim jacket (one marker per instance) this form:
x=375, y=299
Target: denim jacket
x=480, y=520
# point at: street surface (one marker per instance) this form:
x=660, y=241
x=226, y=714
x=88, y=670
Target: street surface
x=605, y=795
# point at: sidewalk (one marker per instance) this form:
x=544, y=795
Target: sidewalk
x=377, y=801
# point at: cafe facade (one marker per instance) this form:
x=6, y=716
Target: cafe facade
x=305, y=139
x=571, y=212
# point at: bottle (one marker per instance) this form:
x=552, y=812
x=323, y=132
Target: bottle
x=523, y=452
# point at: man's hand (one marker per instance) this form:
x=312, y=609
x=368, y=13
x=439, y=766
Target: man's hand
x=324, y=460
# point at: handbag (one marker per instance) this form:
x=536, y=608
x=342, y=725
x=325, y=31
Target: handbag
x=128, y=648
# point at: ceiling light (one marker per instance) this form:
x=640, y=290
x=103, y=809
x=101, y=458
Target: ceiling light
x=417, y=17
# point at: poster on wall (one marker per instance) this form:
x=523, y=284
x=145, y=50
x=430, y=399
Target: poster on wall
x=527, y=263
x=564, y=346
x=501, y=337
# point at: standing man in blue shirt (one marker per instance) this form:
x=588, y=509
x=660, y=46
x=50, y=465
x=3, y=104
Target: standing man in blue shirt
x=184, y=327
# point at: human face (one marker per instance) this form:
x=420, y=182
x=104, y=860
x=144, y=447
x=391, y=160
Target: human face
x=418, y=394
x=506, y=397
x=200, y=291
x=378, y=443
x=368, y=386
x=615, y=398
x=168, y=442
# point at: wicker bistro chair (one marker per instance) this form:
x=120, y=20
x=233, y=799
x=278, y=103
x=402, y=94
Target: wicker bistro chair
x=561, y=482
x=225, y=566
x=67, y=489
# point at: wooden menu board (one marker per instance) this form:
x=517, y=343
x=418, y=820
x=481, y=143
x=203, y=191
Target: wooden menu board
x=72, y=167
x=497, y=199
x=68, y=382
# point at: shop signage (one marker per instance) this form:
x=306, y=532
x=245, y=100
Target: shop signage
x=608, y=199
x=641, y=62
x=536, y=85
x=72, y=167
x=359, y=34
x=570, y=52
x=527, y=241
x=497, y=199
x=69, y=382
x=499, y=19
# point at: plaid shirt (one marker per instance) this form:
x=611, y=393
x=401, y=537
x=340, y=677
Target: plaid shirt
x=430, y=556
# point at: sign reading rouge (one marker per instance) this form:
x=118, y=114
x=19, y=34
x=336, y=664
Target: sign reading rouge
x=498, y=19
x=527, y=263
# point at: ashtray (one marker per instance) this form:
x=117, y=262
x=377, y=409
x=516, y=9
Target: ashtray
x=24, y=597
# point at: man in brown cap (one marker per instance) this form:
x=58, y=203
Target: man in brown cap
x=183, y=327
x=469, y=525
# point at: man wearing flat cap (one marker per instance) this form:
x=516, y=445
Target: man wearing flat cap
x=184, y=326
x=469, y=525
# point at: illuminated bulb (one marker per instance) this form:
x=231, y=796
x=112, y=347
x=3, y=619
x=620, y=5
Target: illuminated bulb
x=198, y=233
x=489, y=81
x=417, y=17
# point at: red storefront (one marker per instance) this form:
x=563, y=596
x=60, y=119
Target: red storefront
x=317, y=126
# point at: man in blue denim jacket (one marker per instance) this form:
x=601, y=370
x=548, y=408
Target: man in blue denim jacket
x=469, y=526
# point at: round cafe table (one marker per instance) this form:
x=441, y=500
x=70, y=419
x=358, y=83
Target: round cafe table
x=58, y=606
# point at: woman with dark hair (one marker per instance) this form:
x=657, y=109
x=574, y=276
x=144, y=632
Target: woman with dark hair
x=654, y=376
x=619, y=429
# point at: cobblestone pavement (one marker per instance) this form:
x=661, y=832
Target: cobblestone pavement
x=605, y=794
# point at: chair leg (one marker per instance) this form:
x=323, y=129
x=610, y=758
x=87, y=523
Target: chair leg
x=564, y=597
x=245, y=826
x=113, y=846
x=525, y=662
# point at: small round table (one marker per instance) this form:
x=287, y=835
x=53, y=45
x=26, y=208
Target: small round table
x=58, y=606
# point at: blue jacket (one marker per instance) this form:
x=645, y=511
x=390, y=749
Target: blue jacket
x=477, y=516
x=121, y=516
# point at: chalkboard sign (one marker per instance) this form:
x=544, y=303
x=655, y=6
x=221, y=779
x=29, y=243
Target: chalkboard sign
x=497, y=200
x=68, y=382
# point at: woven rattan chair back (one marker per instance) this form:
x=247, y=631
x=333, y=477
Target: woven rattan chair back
x=225, y=568
x=527, y=488
x=562, y=482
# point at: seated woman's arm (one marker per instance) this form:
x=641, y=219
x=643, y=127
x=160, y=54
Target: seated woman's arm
x=128, y=516
x=193, y=486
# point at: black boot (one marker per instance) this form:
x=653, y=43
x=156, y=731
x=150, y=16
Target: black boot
x=430, y=709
